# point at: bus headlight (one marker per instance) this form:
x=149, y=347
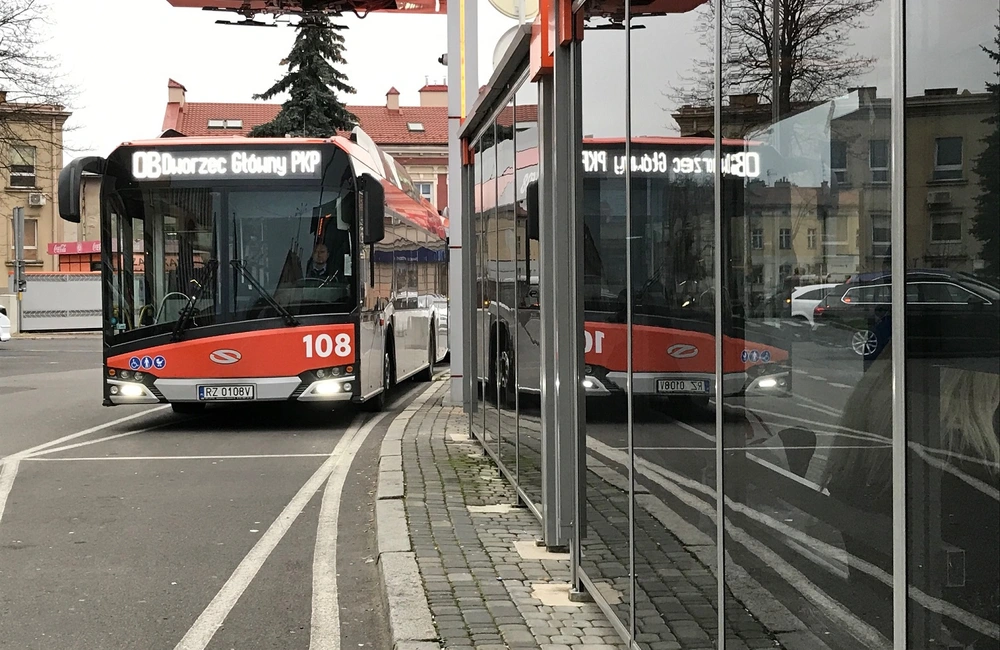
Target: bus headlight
x=329, y=387
x=132, y=390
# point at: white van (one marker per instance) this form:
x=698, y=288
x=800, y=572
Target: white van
x=4, y=325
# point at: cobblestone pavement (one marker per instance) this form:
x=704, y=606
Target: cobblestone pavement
x=480, y=589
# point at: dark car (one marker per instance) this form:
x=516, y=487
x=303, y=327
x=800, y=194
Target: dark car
x=948, y=314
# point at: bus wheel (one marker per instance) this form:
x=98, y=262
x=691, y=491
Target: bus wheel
x=188, y=408
x=505, y=370
x=378, y=402
x=428, y=375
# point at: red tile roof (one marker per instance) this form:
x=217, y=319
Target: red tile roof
x=174, y=84
x=385, y=127
x=524, y=113
x=436, y=88
x=392, y=91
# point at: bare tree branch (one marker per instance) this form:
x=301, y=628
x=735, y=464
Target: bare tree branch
x=814, y=59
x=34, y=92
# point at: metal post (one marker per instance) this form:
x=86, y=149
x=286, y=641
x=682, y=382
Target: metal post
x=463, y=86
x=20, y=282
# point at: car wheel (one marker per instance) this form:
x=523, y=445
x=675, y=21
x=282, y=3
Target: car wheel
x=864, y=343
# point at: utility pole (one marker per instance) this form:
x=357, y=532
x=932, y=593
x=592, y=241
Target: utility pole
x=20, y=281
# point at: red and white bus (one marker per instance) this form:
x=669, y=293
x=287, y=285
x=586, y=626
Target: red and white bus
x=672, y=284
x=238, y=269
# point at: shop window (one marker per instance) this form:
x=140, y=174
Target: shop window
x=947, y=159
x=878, y=160
x=785, y=239
x=22, y=166
x=946, y=228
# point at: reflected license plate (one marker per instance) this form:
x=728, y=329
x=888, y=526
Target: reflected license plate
x=683, y=386
x=227, y=393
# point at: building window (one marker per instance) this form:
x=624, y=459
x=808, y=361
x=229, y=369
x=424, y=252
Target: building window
x=415, y=126
x=838, y=161
x=878, y=160
x=881, y=234
x=225, y=124
x=785, y=239
x=425, y=190
x=757, y=239
x=946, y=228
x=22, y=166
x=30, y=239
x=811, y=238
x=947, y=158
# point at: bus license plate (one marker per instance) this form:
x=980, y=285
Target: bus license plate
x=682, y=385
x=226, y=393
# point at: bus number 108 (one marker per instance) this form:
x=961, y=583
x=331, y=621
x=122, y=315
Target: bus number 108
x=324, y=345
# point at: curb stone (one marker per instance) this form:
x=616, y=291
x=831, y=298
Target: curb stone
x=411, y=624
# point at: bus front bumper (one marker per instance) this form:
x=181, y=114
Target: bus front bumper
x=255, y=389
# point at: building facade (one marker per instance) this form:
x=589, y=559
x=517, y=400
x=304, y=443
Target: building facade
x=724, y=474
x=32, y=140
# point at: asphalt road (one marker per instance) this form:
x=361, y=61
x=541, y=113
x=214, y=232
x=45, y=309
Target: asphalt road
x=162, y=531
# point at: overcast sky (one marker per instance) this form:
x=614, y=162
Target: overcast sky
x=120, y=53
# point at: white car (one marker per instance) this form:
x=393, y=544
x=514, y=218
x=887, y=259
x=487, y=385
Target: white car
x=4, y=325
x=805, y=299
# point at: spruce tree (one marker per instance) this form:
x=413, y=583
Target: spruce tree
x=986, y=222
x=313, y=108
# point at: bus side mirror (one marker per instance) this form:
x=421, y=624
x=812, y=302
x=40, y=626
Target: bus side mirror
x=371, y=202
x=70, y=183
x=531, y=201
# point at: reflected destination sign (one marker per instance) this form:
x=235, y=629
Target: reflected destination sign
x=227, y=165
x=740, y=164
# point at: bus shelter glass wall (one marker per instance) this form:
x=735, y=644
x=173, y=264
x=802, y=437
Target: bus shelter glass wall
x=606, y=535
x=504, y=311
x=952, y=120
x=672, y=299
x=806, y=231
x=527, y=330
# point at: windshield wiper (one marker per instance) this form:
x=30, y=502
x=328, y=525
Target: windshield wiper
x=188, y=309
x=240, y=266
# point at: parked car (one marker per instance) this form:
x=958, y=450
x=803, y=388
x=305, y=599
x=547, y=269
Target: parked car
x=4, y=325
x=805, y=299
x=948, y=314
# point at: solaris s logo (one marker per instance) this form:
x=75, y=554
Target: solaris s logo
x=225, y=357
x=682, y=351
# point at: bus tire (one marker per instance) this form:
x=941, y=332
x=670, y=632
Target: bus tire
x=187, y=408
x=507, y=371
x=378, y=402
x=428, y=374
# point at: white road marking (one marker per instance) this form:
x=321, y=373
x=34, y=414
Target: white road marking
x=86, y=432
x=836, y=385
x=86, y=443
x=325, y=625
x=223, y=457
x=10, y=464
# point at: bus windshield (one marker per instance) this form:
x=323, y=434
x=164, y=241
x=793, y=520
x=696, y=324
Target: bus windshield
x=672, y=231
x=186, y=254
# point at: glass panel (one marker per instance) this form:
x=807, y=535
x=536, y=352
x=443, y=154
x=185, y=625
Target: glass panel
x=491, y=330
x=607, y=533
x=807, y=457
x=672, y=259
x=952, y=324
x=505, y=311
x=478, y=421
x=529, y=325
